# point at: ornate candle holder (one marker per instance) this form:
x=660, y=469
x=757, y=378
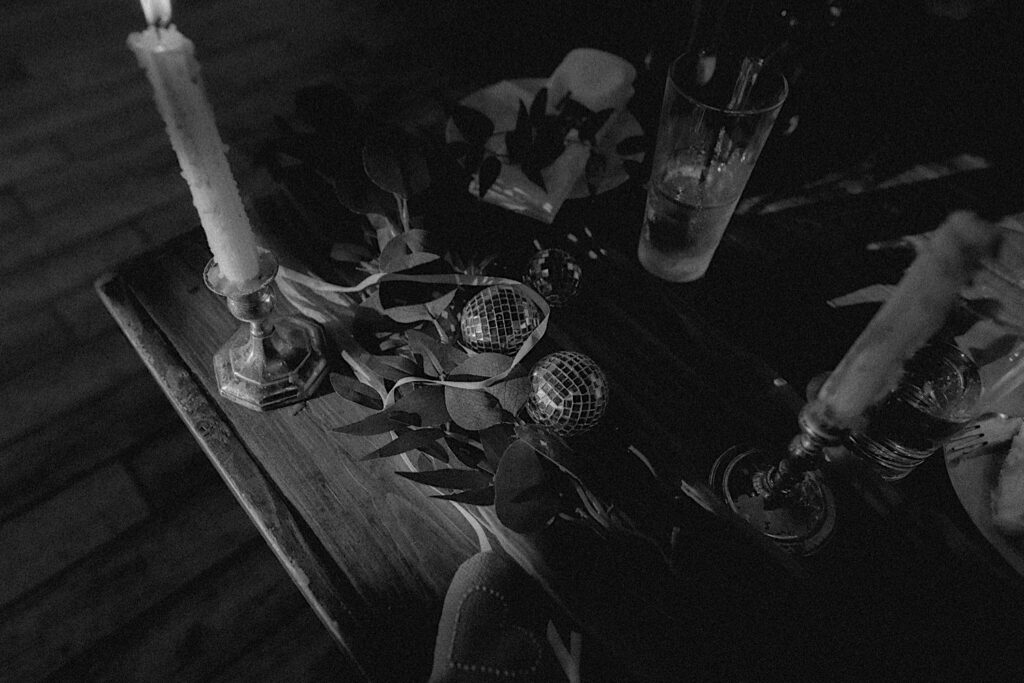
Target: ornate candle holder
x=784, y=499
x=267, y=363
x=905, y=414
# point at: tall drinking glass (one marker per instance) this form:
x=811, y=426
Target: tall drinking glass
x=716, y=114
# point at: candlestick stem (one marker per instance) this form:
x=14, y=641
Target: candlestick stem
x=806, y=453
x=270, y=361
x=784, y=498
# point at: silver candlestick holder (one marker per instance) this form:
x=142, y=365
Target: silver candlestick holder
x=782, y=497
x=271, y=361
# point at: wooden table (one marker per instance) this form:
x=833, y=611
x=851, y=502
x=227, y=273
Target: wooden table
x=907, y=587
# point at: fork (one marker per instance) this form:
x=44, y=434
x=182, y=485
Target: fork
x=991, y=429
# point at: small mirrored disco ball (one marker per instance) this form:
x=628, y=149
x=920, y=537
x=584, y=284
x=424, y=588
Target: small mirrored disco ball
x=499, y=319
x=555, y=275
x=568, y=393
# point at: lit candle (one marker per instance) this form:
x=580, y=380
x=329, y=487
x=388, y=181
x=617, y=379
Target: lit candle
x=915, y=311
x=168, y=59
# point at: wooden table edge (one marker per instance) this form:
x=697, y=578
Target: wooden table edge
x=262, y=501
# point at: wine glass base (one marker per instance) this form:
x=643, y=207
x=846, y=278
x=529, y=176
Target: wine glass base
x=800, y=525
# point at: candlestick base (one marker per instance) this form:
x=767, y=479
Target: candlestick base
x=801, y=524
x=270, y=362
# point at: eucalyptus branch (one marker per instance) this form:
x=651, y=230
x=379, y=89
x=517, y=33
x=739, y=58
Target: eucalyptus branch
x=403, y=211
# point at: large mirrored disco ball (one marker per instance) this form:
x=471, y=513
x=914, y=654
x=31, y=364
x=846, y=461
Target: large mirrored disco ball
x=568, y=393
x=555, y=275
x=498, y=318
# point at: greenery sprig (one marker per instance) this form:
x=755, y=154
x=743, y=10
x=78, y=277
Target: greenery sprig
x=453, y=414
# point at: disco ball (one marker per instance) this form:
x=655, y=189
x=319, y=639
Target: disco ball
x=568, y=393
x=555, y=275
x=499, y=319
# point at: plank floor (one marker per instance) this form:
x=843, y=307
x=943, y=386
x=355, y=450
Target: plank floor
x=122, y=554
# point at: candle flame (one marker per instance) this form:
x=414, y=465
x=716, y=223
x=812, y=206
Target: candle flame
x=157, y=11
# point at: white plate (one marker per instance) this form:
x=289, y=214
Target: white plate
x=974, y=475
x=499, y=103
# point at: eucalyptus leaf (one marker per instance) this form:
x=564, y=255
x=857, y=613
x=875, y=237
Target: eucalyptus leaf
x=518, y=140
x=422, y=462
x=547, y=146
x=551, y=447
x=427, y=347
x=472, y=409
x=534, y=175
x=597, y=163
x=435, y=451
x=634, y=144
x=406, y=250
x=480, y=366
x=409, y=314
x=355, y=391
x=357, y=362
x=410, y=241
x=388, y=367
x=357, y=194
x=523, y=123
x=593, y=125
x=372, y=303
x=395, y=248
x=468, y=454
x=475, y=127
x=524, y=499
x=451, y=357
x=512, y=393
x=392, y=162
x=481, y=496
x=457, y=149
x=350, y=253
x=379, y=423
x=490, y=169
x=392, y=343
x=539, y=490
x=401, y=364
x=409, y=261
x=495, y=440
x=517, y=144
x=573, y=112
x=405, y=442
x=415, y=239
x=385, y=228
x=539, y=106
x=446, y=357
x=439, y=305
x=450, y=478
x=428, y=403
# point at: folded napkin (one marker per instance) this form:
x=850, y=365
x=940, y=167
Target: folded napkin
x=597, y=80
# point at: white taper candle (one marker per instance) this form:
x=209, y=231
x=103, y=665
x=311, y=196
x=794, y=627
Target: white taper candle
x=168, y=59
